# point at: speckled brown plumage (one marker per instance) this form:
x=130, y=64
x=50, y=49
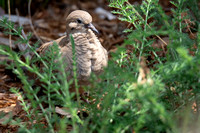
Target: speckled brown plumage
x=91, y=56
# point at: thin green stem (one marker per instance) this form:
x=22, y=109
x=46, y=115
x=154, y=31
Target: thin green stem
x=68, y=102
x=145, y=27
x=25, y=82
x=75, y=69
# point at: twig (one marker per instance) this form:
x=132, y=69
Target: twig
x=188, y=27
x=30, y=21
x=3, y=84
x=10, y=42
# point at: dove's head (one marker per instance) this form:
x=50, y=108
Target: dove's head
x=79, y=21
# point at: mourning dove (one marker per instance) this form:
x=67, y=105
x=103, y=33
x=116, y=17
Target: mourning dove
x=91, y=55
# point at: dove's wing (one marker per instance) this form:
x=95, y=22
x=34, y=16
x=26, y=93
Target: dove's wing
x=60, y=42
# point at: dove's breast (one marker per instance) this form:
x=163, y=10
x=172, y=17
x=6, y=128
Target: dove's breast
x=90, y=54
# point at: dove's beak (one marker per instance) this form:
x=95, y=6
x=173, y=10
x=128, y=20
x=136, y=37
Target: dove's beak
x=91, y=26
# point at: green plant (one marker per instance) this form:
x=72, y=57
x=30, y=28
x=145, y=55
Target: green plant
x=177, y=70
x=56, y=90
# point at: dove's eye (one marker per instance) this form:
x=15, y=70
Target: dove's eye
x=79, y=21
